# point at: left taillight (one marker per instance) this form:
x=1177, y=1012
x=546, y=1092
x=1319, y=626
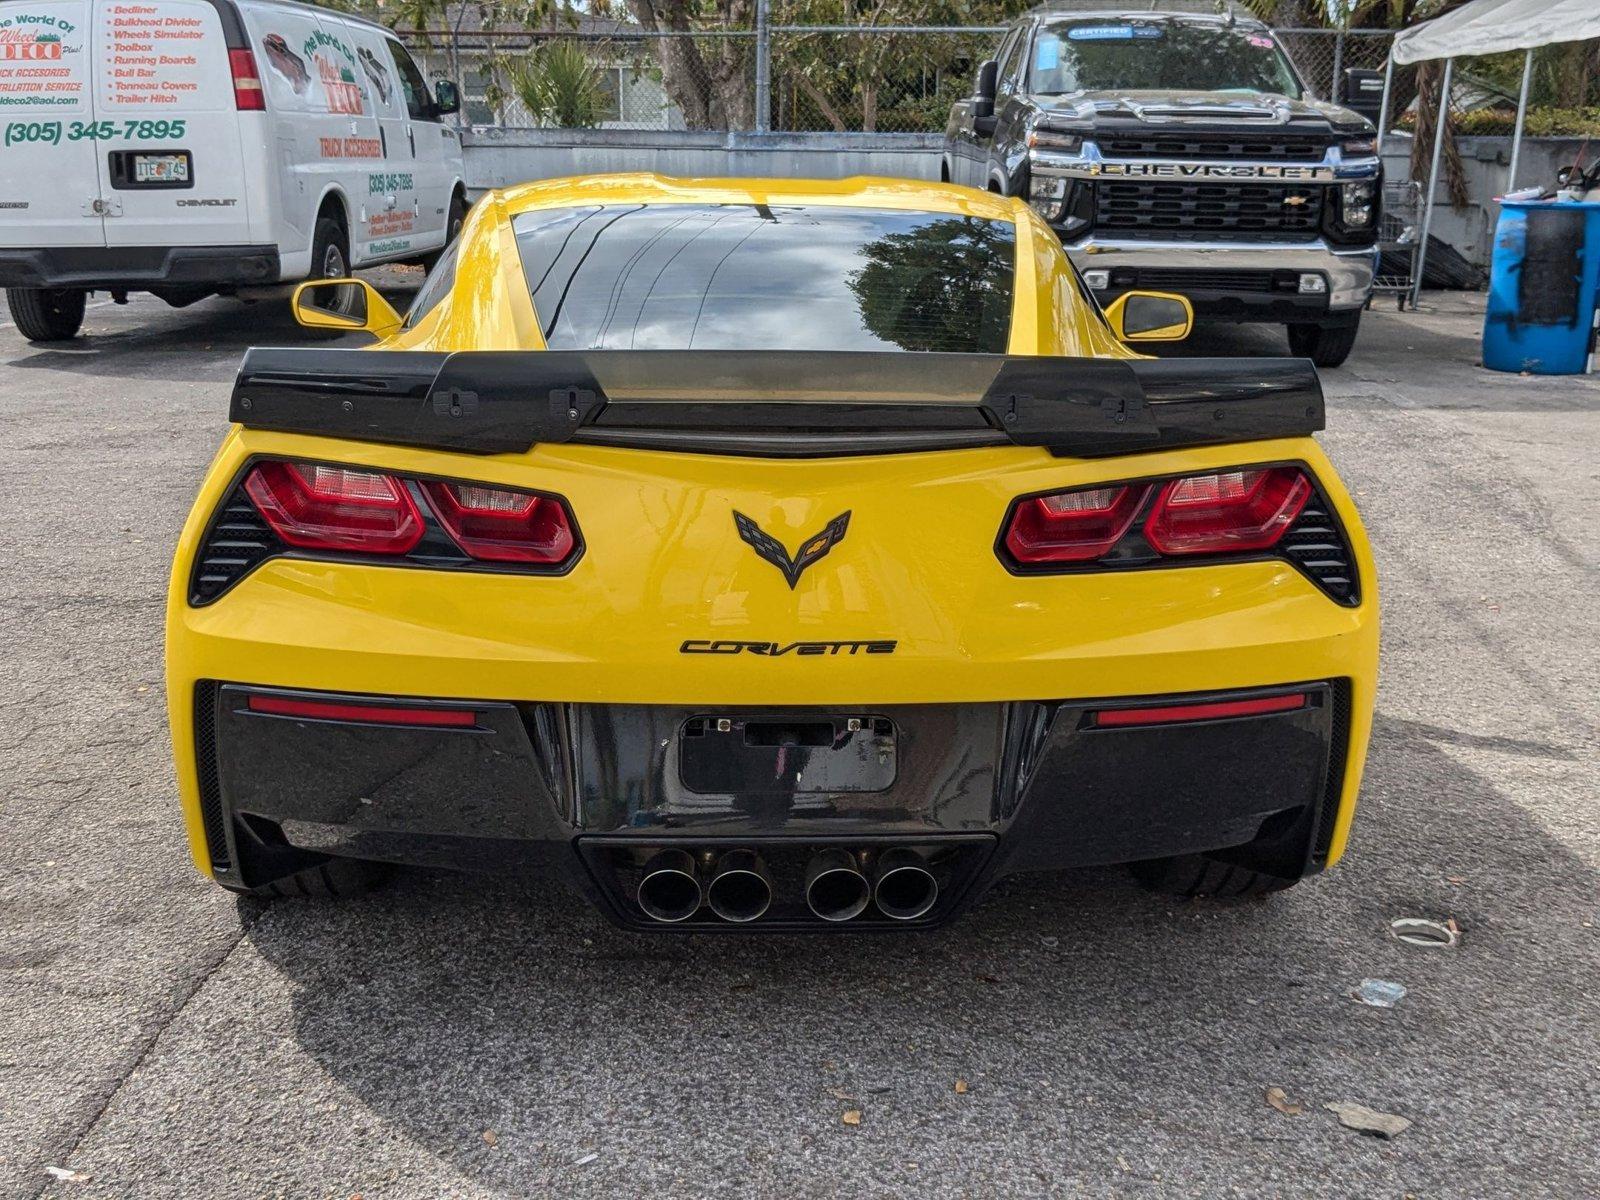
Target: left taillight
x=247, y=93
x=1248, y=509
x=497, y=525
x=318, y=507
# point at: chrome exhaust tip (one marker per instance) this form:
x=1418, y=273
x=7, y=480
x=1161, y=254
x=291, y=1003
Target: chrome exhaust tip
x=740, y=889
x=669, y=889
x=836, y=890
x=905, y=889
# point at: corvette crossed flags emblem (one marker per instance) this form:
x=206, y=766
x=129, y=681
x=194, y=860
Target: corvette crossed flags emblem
x=771, y=549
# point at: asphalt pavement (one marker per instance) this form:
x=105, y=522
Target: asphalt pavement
x=467, y=1037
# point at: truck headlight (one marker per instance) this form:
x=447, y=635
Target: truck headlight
x=1047, y=194
x=1053, y=139
x=1355, y=204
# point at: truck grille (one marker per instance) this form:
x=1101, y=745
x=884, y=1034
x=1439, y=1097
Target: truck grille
x=1220, y=211
x=1225, y=147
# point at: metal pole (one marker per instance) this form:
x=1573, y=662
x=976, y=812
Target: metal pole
x=1439, y=120
x=763, y=69
x=1338, y=63
x=1522, y=113
x=1383, y=108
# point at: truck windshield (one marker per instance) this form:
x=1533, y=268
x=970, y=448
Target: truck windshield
x=760, y=277
x=1158, y=56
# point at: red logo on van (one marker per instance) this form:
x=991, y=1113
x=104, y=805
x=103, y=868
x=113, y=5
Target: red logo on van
x=26, y=45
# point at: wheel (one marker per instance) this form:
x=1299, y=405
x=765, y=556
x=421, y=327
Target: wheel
x=1197, y=875
x=1325, y=346
x=330, y=259
x=47, y=314
x=338, y=878
x=454, y=219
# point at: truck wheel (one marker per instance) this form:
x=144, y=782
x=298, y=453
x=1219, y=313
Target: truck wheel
x=454, y=219
x=1197, y=875
x=47, y=314
x=1324, y=346
x=330, y=259
x=336, y=879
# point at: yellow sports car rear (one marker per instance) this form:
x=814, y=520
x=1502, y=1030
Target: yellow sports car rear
x=764, y=554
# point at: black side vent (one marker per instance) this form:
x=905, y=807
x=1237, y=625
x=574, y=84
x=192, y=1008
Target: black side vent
x=236, y=542
x=1333, y=787
x=1317, y=545
x=205, y=762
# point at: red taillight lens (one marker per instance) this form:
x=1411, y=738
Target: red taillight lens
x=1248, y=509
x=496, y=525
x=247, y=93
x=1076, y=526
x=1214, y=710
x=318, y=507
x=376, y=714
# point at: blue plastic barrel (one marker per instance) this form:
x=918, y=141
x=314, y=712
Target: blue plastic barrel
x=1544, y=288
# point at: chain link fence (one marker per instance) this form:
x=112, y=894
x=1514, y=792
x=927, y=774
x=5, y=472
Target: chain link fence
x=820, y=78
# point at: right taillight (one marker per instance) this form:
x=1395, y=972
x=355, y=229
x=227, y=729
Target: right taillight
x=1242, y=510
x=1072, y=527
x=1247, y=509
x=247, y=93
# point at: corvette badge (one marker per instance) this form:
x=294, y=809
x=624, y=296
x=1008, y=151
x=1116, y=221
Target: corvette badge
x=771, y=549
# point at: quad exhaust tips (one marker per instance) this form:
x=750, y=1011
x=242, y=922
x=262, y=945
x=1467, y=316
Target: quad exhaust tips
x=905, y=889
x=836, y=890
x=740, y=889
x=669, y=890
x=895, y=884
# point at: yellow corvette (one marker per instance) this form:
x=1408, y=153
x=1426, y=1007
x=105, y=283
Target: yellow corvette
x=773, y=555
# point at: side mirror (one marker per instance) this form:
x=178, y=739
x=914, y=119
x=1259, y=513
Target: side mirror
x=1363, y=92
x=446, y=99
x=1150, y=317
x=345, y=304
x=988, y=81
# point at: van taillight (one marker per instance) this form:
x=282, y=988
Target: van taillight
x=247, y=93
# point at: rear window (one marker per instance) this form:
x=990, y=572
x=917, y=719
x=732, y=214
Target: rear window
x=749, y=276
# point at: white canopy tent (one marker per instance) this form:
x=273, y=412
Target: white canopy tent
x=1483, y=27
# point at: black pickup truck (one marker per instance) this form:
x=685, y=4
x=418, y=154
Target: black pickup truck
x=1182, y=153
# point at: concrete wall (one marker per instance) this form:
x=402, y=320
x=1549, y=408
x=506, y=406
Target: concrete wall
x=1487, y=163
x=497, y=157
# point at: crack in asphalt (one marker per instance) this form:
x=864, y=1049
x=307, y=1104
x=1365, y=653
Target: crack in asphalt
x=142, y=1051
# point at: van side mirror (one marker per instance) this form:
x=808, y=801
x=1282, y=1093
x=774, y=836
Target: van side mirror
x=1150, y=317
x=446, y=99
x=345, y=304
x=1363, y=93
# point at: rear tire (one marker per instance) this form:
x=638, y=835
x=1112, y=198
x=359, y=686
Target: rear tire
x=330, y=259
x=1325, y=346
x=454, y=219
x=1195, y=875
x=336, y=879
x=47, y=314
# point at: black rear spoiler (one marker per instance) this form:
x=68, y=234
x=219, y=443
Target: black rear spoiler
x=773, y=403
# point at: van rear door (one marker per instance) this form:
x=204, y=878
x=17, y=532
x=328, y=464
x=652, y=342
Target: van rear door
x=170, y=136
x=49, y=187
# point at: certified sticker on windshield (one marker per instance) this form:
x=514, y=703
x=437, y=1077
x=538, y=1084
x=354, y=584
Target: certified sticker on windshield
x=1112, y=33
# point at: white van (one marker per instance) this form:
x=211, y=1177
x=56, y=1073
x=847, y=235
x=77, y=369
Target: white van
x=195, y=147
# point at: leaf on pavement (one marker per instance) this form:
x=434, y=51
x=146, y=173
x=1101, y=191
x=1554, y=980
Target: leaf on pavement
x=852, y=1116
x=961, y=1087
x=489, y=1138
x=1368, y=1120
x=1279, y=1099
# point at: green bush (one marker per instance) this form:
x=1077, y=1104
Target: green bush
x=1541, y=122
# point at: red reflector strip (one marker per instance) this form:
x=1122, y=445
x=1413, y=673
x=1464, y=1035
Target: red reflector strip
x=1168, y=714
x=372, y=714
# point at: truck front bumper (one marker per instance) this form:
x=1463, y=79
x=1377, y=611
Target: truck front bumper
x=1254, y=282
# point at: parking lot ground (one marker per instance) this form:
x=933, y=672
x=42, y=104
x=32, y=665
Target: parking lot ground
x=455, y=1036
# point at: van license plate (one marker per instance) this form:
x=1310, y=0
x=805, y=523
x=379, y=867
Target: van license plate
x=161, y=168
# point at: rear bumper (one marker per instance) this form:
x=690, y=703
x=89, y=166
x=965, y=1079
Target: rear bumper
x=1238, y=282
x=138, y=268
x=591, y=791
